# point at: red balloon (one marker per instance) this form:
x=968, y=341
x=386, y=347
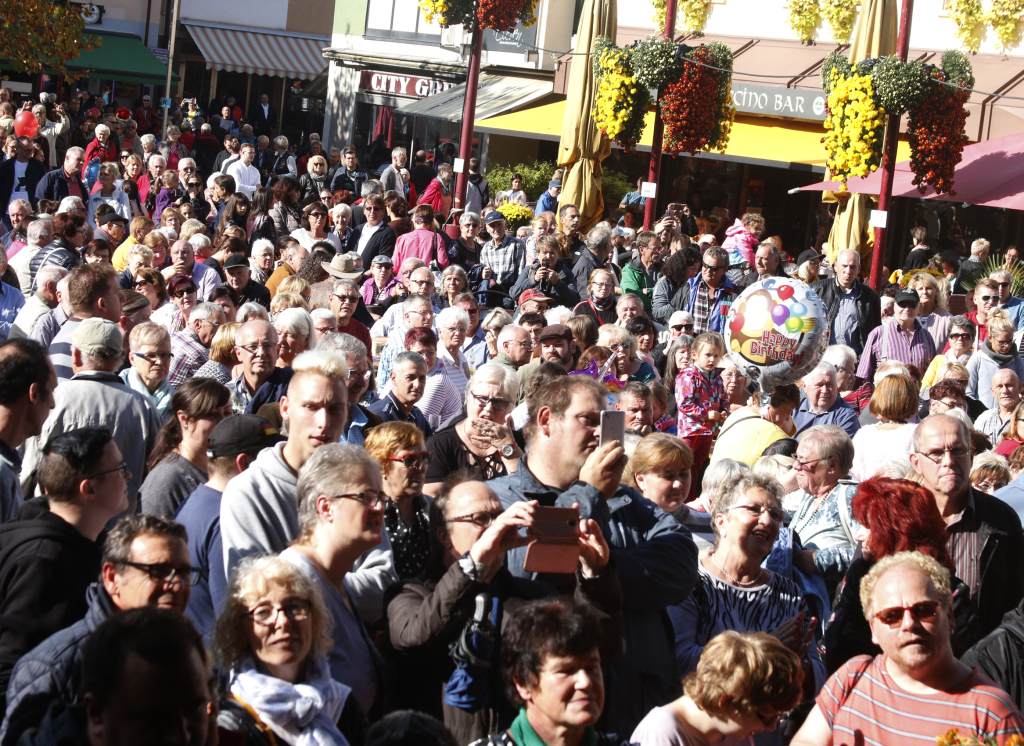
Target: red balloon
x=785, y=292
x=25, y=124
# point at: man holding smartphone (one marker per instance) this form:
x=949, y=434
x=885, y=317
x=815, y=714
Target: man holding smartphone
x=655, y=556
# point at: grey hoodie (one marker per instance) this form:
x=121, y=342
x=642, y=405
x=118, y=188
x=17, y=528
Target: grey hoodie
x=258, y=512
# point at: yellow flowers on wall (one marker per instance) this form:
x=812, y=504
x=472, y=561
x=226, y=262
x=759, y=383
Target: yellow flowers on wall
x=804, y=18
x=855, y=126
x=840, y=16
x=691, y=16
x=1007, y=19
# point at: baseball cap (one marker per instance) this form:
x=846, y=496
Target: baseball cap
x=554, y=183
x=555, y=331
x=382, y=259
x=112, y=217
x=236, y=260
x=532, y=294
x=809, y=256
x=98, y=337
x=243, y=433
x=907, y=295
x=493, y=217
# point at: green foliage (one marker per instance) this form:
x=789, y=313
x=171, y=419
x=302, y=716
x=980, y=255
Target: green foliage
x=958, y=68
x=614, y=187
x=900, y=86
x=535, y=177
x=654, y=62
x=970, y=280
x=834, y=61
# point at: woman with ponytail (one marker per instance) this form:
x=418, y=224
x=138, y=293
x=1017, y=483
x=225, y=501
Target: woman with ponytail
x=178, y=463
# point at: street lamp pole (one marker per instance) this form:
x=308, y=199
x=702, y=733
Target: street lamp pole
x=659, y=129
x=170, y=59
x=469, y=113
x=892, y=134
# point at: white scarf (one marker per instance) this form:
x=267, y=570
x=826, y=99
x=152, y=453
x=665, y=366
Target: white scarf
x=303, y=714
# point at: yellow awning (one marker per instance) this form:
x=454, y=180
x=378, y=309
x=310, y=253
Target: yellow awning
x=777, y=142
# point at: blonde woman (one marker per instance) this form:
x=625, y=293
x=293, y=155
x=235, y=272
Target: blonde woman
x=933, y=309
x=990, y=472
x=314, y=181
x=961, y=335
x=997, y=352
x=108, y=194
x=623, y=346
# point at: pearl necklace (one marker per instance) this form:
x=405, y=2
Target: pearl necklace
x=733, y=580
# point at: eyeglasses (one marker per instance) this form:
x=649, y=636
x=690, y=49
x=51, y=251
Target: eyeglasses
x=123, y=468
x=296, y=610
x=207, y=321
x=604, y=284
x=483, y=519
x=183, y=293
x=195, y=185
x=498, y=405
x=166, y=573
x=154, y=357
x=526, y=345
x=354, y=374
x=424, y=314
x=349, y=298
x=325, y=329
x=961, y=335
x=189, y=169
x=620, y=346
x=714, y=267
x=318, y=214
x=413, y=460
x=801, y=465
x=756, y=509
x=989, y=486
x=371, y=500
x=681, y=327
x=938, y=456
x=907, y=304
x=371, y=208
x=948, y=403
x=1004, y=284
x=143, y=283
x=922, y=612
x=254, y=348
x=989, y=298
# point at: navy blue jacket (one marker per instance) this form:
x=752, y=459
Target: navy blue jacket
x=56, y=185
x=52, y=670
x=657, y=564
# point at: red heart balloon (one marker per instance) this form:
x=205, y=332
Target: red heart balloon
x=25, y=124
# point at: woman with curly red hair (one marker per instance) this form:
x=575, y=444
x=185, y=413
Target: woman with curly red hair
x=898, y=516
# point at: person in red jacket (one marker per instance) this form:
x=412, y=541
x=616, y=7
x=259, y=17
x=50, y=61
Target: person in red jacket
x=102, y=147
x=148, y=121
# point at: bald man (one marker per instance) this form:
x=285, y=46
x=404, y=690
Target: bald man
x=853, y=308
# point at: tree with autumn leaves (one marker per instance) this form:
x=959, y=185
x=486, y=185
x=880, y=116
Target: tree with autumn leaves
x=42, y=35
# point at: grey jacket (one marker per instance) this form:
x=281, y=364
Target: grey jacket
x=656, y=561
x=96, y=398
x=661, y=301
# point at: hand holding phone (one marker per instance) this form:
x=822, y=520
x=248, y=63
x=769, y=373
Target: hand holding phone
x=613, y=427
x=555, y=548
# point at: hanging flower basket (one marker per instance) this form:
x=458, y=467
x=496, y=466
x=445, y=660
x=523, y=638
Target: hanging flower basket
x=447, y=13
x=696, y=108
x=621, y=101
x=936, y=128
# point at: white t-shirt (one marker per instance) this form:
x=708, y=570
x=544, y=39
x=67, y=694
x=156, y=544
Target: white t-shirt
x=368, y=231
x=20, y=190
x=662, y=728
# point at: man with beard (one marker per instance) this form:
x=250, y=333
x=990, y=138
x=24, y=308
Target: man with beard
x=916, y=688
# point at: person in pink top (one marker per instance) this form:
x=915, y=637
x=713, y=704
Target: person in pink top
x=424, y=242
x=742, y=238
x=702, y=401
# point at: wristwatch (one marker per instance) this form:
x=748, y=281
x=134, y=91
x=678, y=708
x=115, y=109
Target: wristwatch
x=508, y=450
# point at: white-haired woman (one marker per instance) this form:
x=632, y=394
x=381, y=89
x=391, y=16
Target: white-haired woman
x=102, y=149
x=454, y=282
x=452, y=326
x=295, y=335
x=172, y=148
x=340, y=496
x=261, y=261
x=272, y=638
x=482, y=442
x=341, y=221
x=108, y=194
x=734, y=592
x=932, y=310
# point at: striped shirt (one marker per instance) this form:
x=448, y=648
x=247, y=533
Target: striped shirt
x=963, y=544
x=891, y=342
x=861, y=699
x=442, y=399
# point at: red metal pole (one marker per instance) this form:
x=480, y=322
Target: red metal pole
x=892, y=134
x=655, y=167
x=468, y=115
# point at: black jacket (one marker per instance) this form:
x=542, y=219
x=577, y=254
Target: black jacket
x=381, y=242
x=61, y=253
x=1000, y=656
x=52, y=670
x=1000, y=561
x=35, y=171
x=255, y=293
x=353, y=183
x=564, y=291
x=586, y=264
x=869, y=305
x=46, y=565
x=262, y=123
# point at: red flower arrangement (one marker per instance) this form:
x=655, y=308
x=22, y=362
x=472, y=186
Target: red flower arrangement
x=499, y=15
x=935, y=130
x=689, y=105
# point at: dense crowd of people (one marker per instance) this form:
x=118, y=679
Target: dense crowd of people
x=279, y=459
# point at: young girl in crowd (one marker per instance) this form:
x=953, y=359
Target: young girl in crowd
x=702, y=401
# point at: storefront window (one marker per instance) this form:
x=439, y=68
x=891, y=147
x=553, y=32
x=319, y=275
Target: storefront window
x=399, y=20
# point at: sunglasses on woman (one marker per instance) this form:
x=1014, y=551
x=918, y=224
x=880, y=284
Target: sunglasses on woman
x=183, y=293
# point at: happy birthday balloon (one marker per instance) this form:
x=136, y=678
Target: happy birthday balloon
x=777, y=331
x=26, y=124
